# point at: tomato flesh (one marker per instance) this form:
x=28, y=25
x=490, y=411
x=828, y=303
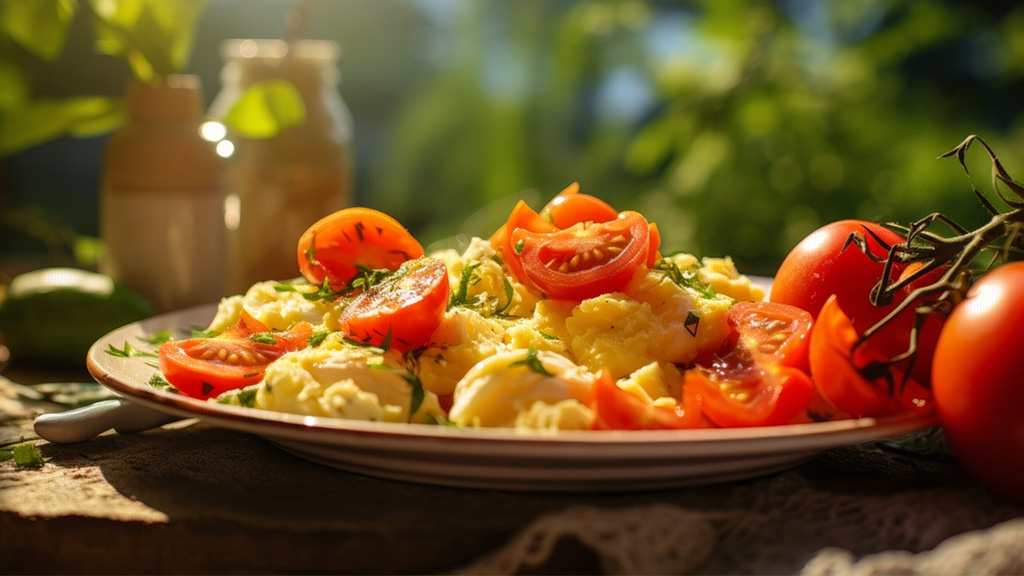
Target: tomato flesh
x=571, y=207
x=617, y=409
x=585, y=260
x=836, y=367
x=522, y=218
x=334, y=248
x=207, y=367
x=756, y=379
x=403, y=311
x=977, y=382
x=772, y=330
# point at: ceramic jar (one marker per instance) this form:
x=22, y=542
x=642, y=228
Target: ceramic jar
x=278, y=186
x=161, y=198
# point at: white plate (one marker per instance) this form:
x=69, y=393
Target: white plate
x=493, y=458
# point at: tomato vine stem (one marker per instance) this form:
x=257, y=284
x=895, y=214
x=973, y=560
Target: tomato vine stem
x=955, y=254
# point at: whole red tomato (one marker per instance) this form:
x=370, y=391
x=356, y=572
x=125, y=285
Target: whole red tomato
x=978, y=382
x=819, y=267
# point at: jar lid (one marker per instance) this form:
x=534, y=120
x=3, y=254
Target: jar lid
x=270, y=50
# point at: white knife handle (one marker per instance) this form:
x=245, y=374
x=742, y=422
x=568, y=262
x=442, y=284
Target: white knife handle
x=81, y=424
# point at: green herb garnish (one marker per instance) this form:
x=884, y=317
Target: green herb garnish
x=25, y=455
x=158, y=338
x=317, y=339
x=264, y=338
x=533, y=362
x=687, y=278
x=461, y=295
x=128, y=351
x=158, y=381
x=199, y=332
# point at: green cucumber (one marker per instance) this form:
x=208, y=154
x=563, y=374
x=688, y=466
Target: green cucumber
x=53, y=315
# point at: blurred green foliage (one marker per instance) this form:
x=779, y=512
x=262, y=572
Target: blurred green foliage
x=738, y=125
x=153, y=37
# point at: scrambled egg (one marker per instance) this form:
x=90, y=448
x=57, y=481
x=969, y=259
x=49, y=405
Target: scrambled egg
x=502, y=388
x=344, y=382
x=279, y=306
x=504, y=355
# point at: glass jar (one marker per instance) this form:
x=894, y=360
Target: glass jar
x=161, y=198
x=277, y=187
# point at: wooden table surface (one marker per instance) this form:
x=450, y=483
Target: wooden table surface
x=191, y=498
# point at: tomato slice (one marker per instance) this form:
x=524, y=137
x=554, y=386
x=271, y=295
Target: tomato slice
x=757, y=378
x=653, y=255
x=769, y=329
x=337, y=245
x=836, y=367
x=571, y=207
x=585, y=260
x=522, y=218
x=206, y=367
x=616, y=409
x=403, y=311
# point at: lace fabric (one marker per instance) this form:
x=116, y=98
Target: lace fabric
x=877, y=508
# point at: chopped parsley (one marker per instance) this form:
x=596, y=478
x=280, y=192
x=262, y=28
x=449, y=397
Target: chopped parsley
x=310, y=252
x=364, y=279
x=438, y=420
x=245, y=397
x=25, y=455
x=460, y=297
x=414, y=383
x=687, y=278
x=323, y=293
x=199, y=332
x=264, y=338
x=317, y=339
x=128, y=351
x=158, y=381
x=158, y=338
x=533, y=362
x=691, y=323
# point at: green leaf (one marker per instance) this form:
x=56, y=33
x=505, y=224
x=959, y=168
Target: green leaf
x=48, y=118
x=266, y=109
x=128, y=351
x=17, y=92
x=25, y=455
x=153, y=36
x=158, y=381
x=533, y=362
x=264, y=338
x=417, y=394
x=317, y=338
x=40, y=26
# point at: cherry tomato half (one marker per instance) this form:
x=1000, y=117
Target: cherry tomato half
x=522, y=218
x=836, y=368
x=585, y=260
x=571, y=207
x=207, y=367
x=403, y=311
x=334, y=247
x=753, y=380
x=977, y=382
x=617, y=409
x=773, y=332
